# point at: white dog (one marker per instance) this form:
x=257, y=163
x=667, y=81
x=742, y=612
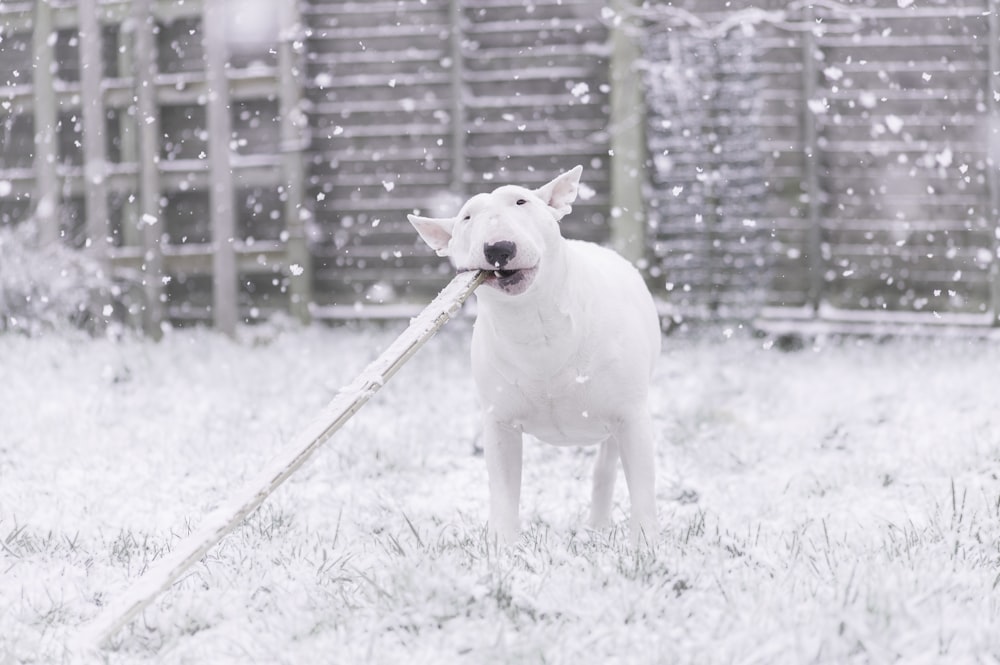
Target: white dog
x=564, y=344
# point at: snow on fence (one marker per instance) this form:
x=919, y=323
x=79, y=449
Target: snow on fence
x=843, y=155
x=707, y=176
x=814, y=161
x=122, y=136
x=442, y=100
x=236, y=157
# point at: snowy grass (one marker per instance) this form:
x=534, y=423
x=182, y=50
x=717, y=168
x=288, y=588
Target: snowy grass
x=836, y=504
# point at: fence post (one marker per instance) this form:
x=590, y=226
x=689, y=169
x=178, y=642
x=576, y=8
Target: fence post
x=993, y=154
x=46, y=199
x=225, y=289
x=147, y=123
x=628, y=151
x=458, y=128
x=294, y=140
x=814, y=244
x=128, y=129
x=95, y=154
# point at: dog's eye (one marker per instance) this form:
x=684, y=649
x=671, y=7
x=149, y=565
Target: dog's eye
x=521, y=202
x=467, y=218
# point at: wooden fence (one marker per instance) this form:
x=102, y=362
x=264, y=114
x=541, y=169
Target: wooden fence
x=830, y=161
x=416, y=105
x=232, y=177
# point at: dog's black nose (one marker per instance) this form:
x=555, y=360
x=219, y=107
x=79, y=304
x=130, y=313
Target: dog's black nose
x=498, y=254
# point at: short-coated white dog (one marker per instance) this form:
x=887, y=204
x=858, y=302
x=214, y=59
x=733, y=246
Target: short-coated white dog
x=564, y=344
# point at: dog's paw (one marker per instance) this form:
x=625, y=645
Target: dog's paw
x=643, y=534
x=501, y=538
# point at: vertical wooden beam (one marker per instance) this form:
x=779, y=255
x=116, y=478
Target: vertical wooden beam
x=458, y=126
x=128, y=134
x=95, y=154
x=46, y=198
x=147, y=123
x=225, y=289
x=628, y=147
x=294, y=141
x=993, y=155
x=814, y=241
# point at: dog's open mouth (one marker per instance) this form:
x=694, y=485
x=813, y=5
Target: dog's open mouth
x=512, y=282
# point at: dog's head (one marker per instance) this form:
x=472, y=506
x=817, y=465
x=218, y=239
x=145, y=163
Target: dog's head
x=508, y=232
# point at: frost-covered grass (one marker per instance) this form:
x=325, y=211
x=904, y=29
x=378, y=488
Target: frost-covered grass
x=837, y=504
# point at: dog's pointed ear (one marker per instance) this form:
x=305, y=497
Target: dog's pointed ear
x=560, y=193
x=436, y=232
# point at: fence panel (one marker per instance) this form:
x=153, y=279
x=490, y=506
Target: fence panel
x=416, y=105
x=231, y=178
x=901, y=108
x=873, y=130
x=537, y=100
x=707, y=180
x=380, y=90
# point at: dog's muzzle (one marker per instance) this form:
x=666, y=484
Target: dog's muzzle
x=498, y=256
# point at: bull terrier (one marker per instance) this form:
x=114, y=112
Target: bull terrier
x=563, y=347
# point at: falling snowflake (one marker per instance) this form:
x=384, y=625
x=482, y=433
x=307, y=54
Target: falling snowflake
x=819, y=106
x=580, y=90
x=944, y=158
x=834, y=73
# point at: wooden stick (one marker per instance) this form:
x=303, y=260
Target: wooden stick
x=163, y=573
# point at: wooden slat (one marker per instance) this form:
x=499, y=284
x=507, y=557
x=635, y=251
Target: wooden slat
x=294, y=144
x=627, y=140
x=993, y=141
x=46, y=192
x=94, y=118
x=149, y=221
x=222, y=190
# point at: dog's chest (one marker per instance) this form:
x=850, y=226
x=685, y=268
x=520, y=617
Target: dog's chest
x=559, y=399
x=561, y=412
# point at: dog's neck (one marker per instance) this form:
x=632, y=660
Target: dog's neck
x=536, y=317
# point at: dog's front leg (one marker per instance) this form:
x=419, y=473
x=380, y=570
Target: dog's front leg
x=635, y=446
x=502, y=447
x=605, y=470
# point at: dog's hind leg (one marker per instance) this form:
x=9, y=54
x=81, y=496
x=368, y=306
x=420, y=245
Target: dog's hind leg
x=502, y=447
x=635, y=445
x=605, y=471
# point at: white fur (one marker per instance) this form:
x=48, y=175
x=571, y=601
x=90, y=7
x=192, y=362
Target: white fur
x=563, y=350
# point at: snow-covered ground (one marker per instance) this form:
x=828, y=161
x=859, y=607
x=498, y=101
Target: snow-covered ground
x=835, y=504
